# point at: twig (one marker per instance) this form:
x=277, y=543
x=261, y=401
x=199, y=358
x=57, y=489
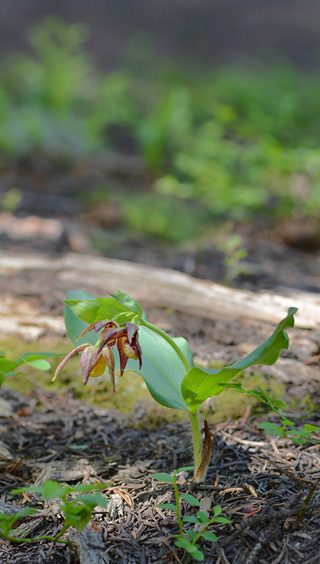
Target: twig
x=304, y=504
x=299, y=481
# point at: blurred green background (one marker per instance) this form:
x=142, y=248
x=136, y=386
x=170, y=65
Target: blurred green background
x=237, y=140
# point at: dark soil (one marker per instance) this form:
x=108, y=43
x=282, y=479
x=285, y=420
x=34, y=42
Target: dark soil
x=259, y=482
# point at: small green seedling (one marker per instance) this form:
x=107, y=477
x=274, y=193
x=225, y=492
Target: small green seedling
x=308, y=433
x=201, y=519
x=165, y=363
x=232, y=248
x=77, y=510
x=35, y=360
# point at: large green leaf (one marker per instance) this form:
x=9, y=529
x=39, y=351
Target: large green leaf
x=97, y=309
x=162, y=369
x=199, y=384
x=183, y=345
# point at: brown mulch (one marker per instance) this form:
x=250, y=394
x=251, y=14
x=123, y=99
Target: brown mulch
x=259, y=481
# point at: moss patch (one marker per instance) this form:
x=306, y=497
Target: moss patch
x=131, y=389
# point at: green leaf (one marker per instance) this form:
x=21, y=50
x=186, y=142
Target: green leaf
x=77, y=447
x=7, y=365
x=197, y=555
x=39, y=364
x=129, y=302
x=25, y=512
x=199, y=384
x=163, y=477
x=86, y=310
x=203, y=517
x=162, y=369
x=184, y=543
x=217, y=510
x=37, y=360
x=78, y=517
x=184, y=469
x=80, y=488
x=91, y=500
x=190, y=499
x=36, y=356
x=309, y=428
x=167, y=506
x=110, y=308
x=222, y=520
x=191, y=519
x=91, y=310
x=192, y=535
x=7, y=521
x=259, y=394
x=272, y=428
x=82, y=309
x=207, y=535
x=49, y=490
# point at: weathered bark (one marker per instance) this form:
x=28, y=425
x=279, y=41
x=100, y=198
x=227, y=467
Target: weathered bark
x=89, y=546
x=165, y=287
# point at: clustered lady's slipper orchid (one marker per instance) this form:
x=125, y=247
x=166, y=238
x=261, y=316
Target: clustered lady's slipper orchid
x=96, y=357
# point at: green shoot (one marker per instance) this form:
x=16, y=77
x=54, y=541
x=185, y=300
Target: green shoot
x=201, y=519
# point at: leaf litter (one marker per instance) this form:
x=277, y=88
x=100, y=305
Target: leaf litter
x=260, y=482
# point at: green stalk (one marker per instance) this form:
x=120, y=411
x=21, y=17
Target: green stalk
x=176, y=493
x=196, y=439
x=169, y=340
x=20, y=540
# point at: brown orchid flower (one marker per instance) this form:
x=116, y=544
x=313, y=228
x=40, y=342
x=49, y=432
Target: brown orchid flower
x=96, y=357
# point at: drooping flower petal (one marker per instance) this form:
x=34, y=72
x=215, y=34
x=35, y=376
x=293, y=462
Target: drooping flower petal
x=96, y=327
x=111, y=336
x=109, y=358
x=128, y=350
x=132, y=330
x=66, y=358
x=93, y=364
x=122, y=353
x=95, y=358
x=139, y=352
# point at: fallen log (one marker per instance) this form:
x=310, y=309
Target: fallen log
x=166, y=288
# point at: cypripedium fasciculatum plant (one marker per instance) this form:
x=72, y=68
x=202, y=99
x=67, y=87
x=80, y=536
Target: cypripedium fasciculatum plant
x=165, y=363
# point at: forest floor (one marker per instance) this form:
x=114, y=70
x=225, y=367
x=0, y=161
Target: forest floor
x=259, y=480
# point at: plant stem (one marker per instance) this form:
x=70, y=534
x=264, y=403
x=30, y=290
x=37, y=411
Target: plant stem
x=196, y=439
x=63, y=530
x=20, y=540
x=176, y=493
x=169, y=340
x=203, y=528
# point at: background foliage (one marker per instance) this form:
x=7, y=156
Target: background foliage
x=237, y=140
